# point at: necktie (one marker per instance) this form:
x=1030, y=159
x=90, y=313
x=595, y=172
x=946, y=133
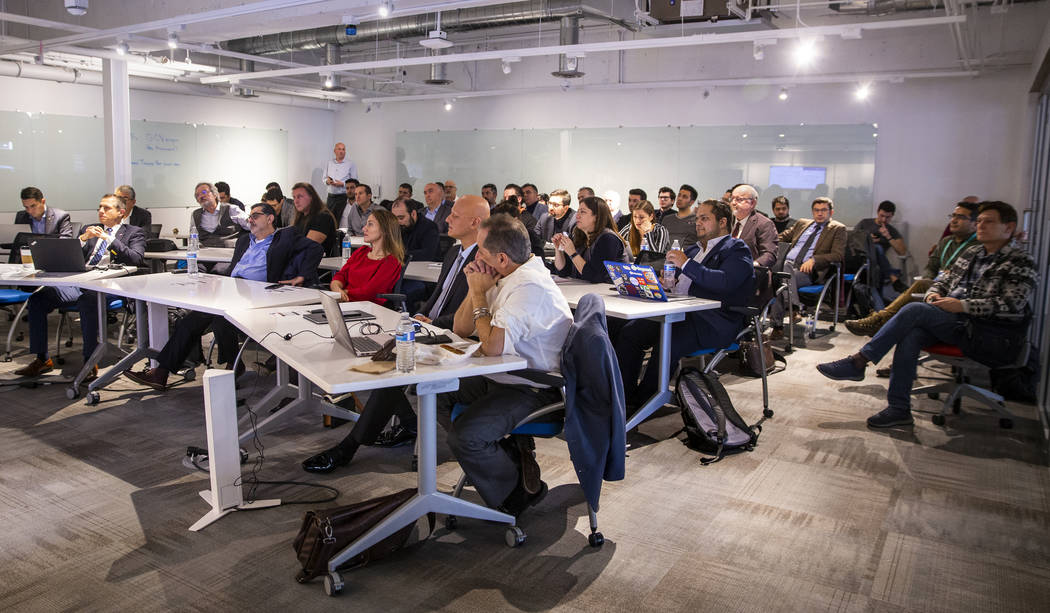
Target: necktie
x=801, y=257
x=101, y=249
x=736, y=230
x=439, y=304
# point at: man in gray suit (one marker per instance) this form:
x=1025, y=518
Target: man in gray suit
x=756, y=230
x=41, y=218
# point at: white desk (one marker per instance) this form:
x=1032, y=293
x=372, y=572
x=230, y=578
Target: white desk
x=326, y=364
x=427, y=272
x=209, y=293
x=158, y=259
x=638, y=308
x=14, y=274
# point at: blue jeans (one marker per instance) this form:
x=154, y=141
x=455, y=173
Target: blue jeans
x=915, y=326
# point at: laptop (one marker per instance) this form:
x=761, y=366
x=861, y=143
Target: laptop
x=361, y=346
x=635, y=281
x=318, y=316
x=8, y=231
x=58, y=255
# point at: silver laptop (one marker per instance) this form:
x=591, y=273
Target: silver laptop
x=361, y=346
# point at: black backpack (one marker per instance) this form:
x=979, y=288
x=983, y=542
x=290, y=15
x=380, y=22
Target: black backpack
x=710, y=422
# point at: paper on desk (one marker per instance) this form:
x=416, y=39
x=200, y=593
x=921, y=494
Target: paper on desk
x=441, y=354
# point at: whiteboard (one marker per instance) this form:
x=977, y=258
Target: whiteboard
x=64, y=156
x=710, y=158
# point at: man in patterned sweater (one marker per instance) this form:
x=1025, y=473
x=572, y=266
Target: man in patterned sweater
x=990, y=279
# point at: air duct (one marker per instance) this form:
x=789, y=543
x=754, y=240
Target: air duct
x=438, y=72
x=496, y=16
x=330, y=81
x=569, y=34
x=241, y=91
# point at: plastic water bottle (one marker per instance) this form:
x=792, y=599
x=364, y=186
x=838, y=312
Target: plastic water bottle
x=406, y=344
x=645, y=244
x=191, y=254
x=811, y=325
x=668, y=274
x=676, y=246
x=346, y=247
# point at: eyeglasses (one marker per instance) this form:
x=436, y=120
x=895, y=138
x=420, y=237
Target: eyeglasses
x=256, y=215
x=959, y=217
x=822, y=210
x=742, y=199
x=203, y=192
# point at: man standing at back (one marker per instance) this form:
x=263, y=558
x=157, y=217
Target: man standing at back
x=336, y=172
x=463, y=222
x=757, y=231
x=682, y=225
x=42, y=219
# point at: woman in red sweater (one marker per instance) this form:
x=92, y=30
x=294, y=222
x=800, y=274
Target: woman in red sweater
x=375, y=268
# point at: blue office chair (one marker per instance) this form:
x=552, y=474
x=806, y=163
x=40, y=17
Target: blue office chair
x=820, y=290
x=8, y=299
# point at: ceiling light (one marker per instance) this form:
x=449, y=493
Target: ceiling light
x=744, y=135
x=173, y=40
x=329, y=81
x=448, y=105
x=805, y=52
x=385, y=8
x=874, y=134
x=758, y=52
x=863, y=91
x=875, y=125
x=780, y=136
x=783, y=95
x=506, y=67
x=507, y=61
x=122, y=48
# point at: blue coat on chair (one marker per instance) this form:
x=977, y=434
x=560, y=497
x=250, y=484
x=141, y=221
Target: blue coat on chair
x=726, y=274
x=594, y=404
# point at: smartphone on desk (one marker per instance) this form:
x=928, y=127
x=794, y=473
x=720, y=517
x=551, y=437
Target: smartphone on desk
x=274, y=286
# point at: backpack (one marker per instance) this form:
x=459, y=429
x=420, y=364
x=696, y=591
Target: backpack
x=710, y=422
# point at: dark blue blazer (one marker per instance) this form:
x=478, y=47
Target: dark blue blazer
x=290, y=255
x=726, y=274
x=128, y=246
x=422, y=242
x=595, y=415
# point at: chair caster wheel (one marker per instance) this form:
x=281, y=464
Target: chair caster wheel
x=514, y=537
x=957, y=406
x=333, y=583
x=938, y=420
x=767, y=413
x=1006, y=423
x=451, y=521
x=190, y=374
x=933, y=396
x=93, y=398
x=7, y=357
x=21, y=337
x=60, y=361
x=596, y=539
x=69, y=343
x=72, y=393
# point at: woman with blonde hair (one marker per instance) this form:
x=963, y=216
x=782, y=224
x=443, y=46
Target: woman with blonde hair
x=375, y=268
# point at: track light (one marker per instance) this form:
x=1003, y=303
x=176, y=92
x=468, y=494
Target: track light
x=862, y=92
x=385, y=8
x=122, y=48
x=783, y=95
x=173, y=40
x=448, y=105
x=805, y=52
x=329, y=81
x=506, y=67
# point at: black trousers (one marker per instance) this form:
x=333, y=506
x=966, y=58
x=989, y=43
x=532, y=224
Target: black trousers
x=187, y=335
x=383, y=404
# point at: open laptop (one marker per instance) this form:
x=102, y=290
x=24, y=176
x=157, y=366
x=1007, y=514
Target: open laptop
x=361, y=346
x=58, y=255
x=637, y=281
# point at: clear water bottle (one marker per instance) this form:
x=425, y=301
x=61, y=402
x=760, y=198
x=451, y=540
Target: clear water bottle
x=668, y=274
x=645, y=244
x=346, y=247
x=406, y=344
x=811, y=325
x=191, y=254
x=676, y=246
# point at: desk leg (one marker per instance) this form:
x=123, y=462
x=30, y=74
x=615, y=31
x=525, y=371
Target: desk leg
x=100, y=350
x=427, y=499
x=142, y=350
x=158, y=328
x=663, y=394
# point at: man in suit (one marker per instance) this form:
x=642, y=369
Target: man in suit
x=264, y=254
x=216, y=222
x=560, y=216
x=716, y=267
x=816, y=244
x=757, y=231
x=135, y=215
x=41, y=218
x=463, y=223
x=436, y=210
x=111, y=242
x=530, y=198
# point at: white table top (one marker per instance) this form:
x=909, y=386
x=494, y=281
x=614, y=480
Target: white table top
x=625, y=307
x=213, y=294
x=327, y=364
x=206, y=254
x=14, y=274
x=427, y=272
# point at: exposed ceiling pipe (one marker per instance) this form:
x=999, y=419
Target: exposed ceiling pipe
x=569, y=34
x=438, y=72
x=87, y=77
x=332, y=56
x=244, y=92
x=502, y=15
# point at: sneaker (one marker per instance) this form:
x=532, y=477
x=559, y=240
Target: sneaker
x=867, y=326
x=889, y=417
x=841, y=370
x=36, y=368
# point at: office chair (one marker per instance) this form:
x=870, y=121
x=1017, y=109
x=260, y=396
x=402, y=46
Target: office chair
x=8, y=299
x=114, y=304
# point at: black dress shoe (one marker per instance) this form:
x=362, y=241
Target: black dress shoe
x=326, y=461
x=395, y=437
x=519, y=500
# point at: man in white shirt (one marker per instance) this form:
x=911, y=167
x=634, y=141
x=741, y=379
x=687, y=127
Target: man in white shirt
x=336, y=173
x=514, y=308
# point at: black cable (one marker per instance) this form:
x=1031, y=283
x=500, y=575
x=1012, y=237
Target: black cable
x=290, y=335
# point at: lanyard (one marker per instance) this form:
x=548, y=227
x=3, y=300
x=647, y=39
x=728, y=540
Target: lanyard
x=946, y=263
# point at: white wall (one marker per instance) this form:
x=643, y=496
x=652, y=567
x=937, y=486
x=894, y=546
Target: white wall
x=309, y=130
x=939, y=140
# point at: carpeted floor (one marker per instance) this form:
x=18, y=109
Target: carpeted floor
x=825, y=515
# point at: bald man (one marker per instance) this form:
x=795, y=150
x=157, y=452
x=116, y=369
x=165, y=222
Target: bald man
x=463, y=222
x=337, y=172
x=437, y=209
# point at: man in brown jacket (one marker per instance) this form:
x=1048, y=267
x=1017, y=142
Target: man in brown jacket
x=816, y=244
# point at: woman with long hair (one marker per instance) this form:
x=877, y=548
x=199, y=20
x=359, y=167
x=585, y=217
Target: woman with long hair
x=643, y=224
x=312, y=217
x=375, y=268
x=593, y=241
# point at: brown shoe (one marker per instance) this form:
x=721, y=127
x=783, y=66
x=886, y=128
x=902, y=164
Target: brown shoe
x=867, y=326
x=157, y=378
x=530, y=470
x=36, y=368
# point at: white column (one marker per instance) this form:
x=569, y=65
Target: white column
x=117, y=108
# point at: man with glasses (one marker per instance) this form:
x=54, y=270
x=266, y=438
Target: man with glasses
x=991, y=279
x=961, y=223
x=264, y=254
x=816, y=244
x=665, y=200
x=216, y=222
x=757, y=231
